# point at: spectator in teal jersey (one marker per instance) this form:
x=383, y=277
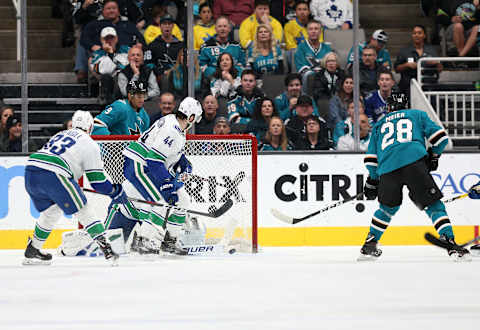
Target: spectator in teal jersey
x=264, y=53
x=378, y=40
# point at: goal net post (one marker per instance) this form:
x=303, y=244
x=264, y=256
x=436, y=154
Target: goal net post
x=224, y=167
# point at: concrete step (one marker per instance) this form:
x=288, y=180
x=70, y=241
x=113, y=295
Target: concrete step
x=391, y=16
x=38, y=66
x=36, y=39
x=30, y=3
x=11, y=80
x=33, y=24
x=35, y=53
x=32, y=12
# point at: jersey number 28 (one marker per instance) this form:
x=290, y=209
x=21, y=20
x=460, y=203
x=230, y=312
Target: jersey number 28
x=400, y=132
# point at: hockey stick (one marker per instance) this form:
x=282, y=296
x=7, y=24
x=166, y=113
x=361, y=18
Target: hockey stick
x=455, y=198
x=447, y=245
x=291, y=220
x=215, y=214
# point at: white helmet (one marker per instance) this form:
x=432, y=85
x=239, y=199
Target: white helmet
x=192, y=109
x=83, y=120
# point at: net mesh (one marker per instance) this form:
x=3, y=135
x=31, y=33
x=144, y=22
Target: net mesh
x=222, y=170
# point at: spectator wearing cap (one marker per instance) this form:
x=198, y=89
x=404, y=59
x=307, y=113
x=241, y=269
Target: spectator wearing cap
x=153, y=30
x=127, y=31
x=222, y=126
x=378, y=40
x=210, y=113
x=296, y=126
x=313, y=138
x=107, y=62
x=333, y=14
x=264, y=111
x=261, y=15
x=12, y=140
x=137, y=70
x=163, y=51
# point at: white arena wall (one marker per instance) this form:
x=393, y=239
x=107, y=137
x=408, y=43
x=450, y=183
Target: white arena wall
x=296, y=184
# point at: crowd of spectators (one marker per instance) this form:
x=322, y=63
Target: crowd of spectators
x=239, y=44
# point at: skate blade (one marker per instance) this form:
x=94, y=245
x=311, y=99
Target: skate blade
x=113, y=261
x=366, y=257
x=36, y=262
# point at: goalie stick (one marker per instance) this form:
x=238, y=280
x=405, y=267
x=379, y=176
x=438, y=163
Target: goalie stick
x=291, y=220
x=447, y=245
x=215, y=214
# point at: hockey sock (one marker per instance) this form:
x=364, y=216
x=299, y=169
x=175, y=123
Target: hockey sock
x=381, y=219
x=44, y=225
x=440, y=220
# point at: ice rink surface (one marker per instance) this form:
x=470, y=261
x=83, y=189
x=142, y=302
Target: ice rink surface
x=279, y=288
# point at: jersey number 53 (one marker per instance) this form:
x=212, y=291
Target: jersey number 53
x=400, y=132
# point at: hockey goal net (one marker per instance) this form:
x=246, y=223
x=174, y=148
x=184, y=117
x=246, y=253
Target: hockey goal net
x=224, y=167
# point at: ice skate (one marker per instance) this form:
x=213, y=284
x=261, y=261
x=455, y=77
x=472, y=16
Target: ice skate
x=107, y=250
x=475, y=250
x=34, y=256
x=170, y=245
x=369, y=250
x=456, y=252
x=143, y=245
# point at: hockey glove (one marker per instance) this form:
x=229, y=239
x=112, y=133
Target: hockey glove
x=370, y=189
x=432, y=160
x=474, y=191
x=118, y=195
x=183, y=165
x=168, y=192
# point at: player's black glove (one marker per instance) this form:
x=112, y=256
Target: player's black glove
x=118, y=195
x=432, y=160
x=370, y=189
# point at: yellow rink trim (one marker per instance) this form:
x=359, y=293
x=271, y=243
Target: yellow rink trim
x=284, y=236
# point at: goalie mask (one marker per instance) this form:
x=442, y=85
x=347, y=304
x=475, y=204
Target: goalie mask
x=397, y=101
x=192, y=109
x=83, y=120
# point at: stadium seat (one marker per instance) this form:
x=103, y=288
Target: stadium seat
x=341, y=41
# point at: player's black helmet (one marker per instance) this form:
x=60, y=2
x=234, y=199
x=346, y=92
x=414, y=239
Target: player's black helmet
x=397, y=101
x=136, y=87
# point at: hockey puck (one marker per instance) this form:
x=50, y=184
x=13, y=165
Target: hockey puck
x=232, y=251
x=360, y=207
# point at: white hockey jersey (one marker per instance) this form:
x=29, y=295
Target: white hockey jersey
x=71, y=153
x=332, y=13
x=163, y=142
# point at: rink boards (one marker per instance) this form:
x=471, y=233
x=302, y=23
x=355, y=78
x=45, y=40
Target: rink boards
x=296, y=184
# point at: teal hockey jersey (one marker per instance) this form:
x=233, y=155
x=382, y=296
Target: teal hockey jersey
x=119, y=118
x=398, y=139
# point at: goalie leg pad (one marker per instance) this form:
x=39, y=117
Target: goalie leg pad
x=74, y=243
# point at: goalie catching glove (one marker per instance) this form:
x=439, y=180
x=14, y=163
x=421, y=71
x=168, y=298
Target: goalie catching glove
x=370, y=189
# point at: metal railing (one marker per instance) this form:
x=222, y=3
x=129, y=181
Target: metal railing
x=18, y=10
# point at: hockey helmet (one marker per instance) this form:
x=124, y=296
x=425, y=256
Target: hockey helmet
x=136, y=87
x=397, y=101
x=380, y=35
x=83, y=120
x=192, y=109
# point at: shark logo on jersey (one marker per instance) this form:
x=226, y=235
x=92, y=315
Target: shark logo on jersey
x=135, y=131
x=166, y=61
x=314, y=62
